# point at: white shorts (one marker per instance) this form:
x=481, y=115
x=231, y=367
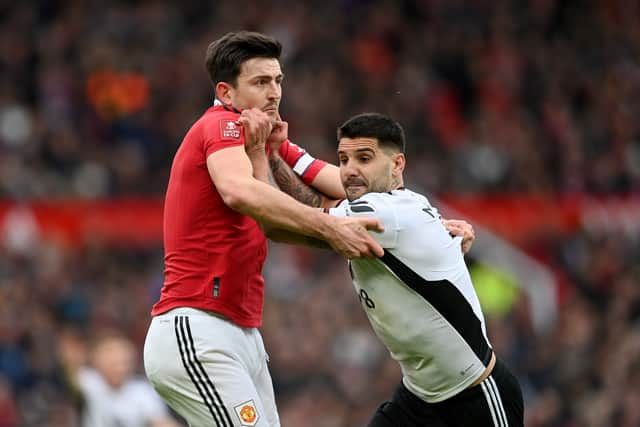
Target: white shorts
x=209, y=370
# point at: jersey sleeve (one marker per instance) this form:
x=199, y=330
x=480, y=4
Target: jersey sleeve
x=221, y=131
x=372, y=205
x=302, y=163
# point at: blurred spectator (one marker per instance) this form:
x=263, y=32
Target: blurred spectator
x=108, y=392
x=511, y=95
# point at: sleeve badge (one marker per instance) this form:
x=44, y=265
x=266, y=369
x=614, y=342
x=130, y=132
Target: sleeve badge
x=229, y=129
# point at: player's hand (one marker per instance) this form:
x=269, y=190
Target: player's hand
x=459, y=227
x=279, y=134
x=257, y=127
x=350, y=238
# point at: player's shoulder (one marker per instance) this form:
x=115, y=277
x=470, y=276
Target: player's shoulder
x=410, y=195
x=396, y=197
x=219, y=124
x=217, y=114
x=367, y=202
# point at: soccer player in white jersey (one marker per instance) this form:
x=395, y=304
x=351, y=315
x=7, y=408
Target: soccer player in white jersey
x=419, y=296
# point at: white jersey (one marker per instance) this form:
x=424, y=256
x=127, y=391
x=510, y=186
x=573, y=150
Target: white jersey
x=419, y=297
x=135, y=404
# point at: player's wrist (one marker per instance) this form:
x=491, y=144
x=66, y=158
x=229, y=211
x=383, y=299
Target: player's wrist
x=274, y=145
x=326, y=225
x=273, y=153
x=256, y=151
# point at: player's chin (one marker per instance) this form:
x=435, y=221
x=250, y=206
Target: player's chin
x=355, y=192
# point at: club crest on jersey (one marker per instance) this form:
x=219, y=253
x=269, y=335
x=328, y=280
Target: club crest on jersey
x=229, y=129
x=247, y=413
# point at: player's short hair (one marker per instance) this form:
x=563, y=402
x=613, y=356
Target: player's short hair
x=387, y=131
x=226, y=55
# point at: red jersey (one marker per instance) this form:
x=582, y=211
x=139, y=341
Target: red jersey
x=213, y=254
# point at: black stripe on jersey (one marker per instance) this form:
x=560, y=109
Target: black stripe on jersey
x=449, y=302
x=362, y=208
x=359, y=202
x=192, y=371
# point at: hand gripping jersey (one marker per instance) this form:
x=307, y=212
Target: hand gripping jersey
x=213, y=254
x=419, y=297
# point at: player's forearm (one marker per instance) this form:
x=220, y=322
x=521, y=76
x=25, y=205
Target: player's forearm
x=260, y=165
x=322, y=176
x=285, y=236
x=328, y=182
x=272, y=207
x=291, y=184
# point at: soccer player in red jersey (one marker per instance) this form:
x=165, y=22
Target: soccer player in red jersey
x=203, y=352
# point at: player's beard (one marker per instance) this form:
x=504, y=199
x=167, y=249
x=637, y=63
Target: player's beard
x=272, y=112
x=356, y=187
x=354, y=193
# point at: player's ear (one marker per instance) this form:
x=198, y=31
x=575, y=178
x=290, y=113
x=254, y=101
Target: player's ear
x=224, y=92
x=399, y=162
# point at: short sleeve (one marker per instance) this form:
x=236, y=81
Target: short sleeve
x=301, y=162
x=373, y=205
x=221, y=131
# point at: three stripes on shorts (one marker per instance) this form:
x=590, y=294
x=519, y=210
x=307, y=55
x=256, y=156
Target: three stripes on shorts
x=198, y=375
x=492, y=394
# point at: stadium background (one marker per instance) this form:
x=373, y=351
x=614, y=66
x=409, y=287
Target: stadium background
x=521, y=117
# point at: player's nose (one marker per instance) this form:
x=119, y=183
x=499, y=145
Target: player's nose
x=275, y=92
x=350, y=170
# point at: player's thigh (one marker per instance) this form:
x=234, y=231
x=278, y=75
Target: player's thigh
x=222, y=395
x=503, y=392
x=495, y=402
x=264, y=384
x=195, y=364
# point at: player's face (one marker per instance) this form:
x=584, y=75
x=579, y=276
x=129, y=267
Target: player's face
x=259, y=85
x=367, y=168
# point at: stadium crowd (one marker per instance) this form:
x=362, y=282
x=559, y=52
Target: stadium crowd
x=497, y=96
